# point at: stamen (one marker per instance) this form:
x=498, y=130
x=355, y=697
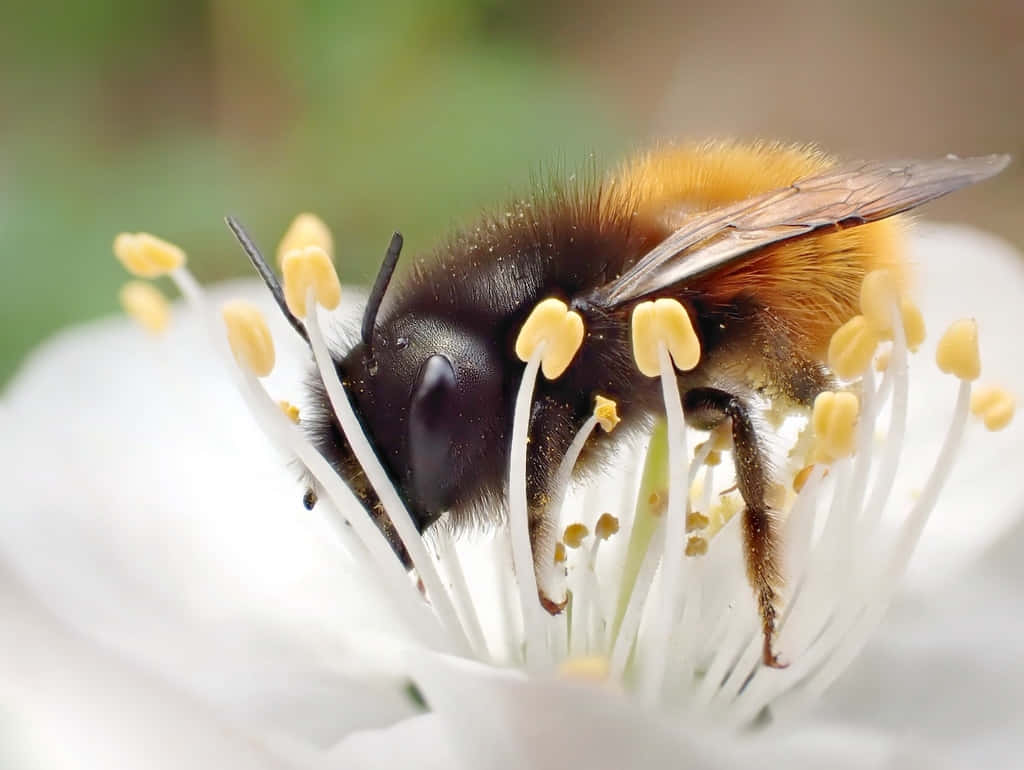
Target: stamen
x=852, y=347
x=663, y=322
x=305, y=270
x=877, y=297
x=607, y=414
x=144, y=302
x=913, y=324
x=695, y=521
x=835, y=420
x=560, y=553
x=574, y=535
x=377, y=476
x=696, y=546
x=290, y=411
x=147, y=256
x=590, y=668
x=553, y=323
x=249, y=337
x=994, y=405
x=607, y=525
x=957, y=352
x=306, y=230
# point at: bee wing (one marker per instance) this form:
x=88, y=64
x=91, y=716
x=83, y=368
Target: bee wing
x=844, y=196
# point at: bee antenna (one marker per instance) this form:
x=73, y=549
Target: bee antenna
x=266, y=274
x=380, y=285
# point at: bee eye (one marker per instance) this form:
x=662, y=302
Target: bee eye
x=433, y=412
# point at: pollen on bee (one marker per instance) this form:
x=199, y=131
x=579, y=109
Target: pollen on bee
x=995, y=406
x=309, y=268
x=551, y=322
x=835, y=423
x=957, y=352
x=147, y=256
x=574, y=535
x=249, y=337
x=144, y=302
x=306, y=230
x=852, y=347
x=663, y=322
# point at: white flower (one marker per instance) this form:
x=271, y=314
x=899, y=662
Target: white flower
x=146, y=510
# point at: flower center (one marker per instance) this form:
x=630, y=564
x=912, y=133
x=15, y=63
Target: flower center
x=648, y=559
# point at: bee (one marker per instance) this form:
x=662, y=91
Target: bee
x=764, y=245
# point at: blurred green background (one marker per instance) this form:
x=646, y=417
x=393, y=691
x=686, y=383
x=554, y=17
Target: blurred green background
x=162, y=116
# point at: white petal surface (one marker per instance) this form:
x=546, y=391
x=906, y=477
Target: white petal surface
x=69, y=705
x=147, y=509
x=489, y=719
x=962, y=272
x=947, y=669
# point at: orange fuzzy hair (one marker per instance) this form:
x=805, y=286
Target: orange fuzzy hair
x=811, y=283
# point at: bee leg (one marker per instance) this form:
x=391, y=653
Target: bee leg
x=545, y=451
x=707, y=408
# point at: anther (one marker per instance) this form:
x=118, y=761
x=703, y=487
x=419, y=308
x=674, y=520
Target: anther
x=290, y=410
x=607, y=525
x=305, y=230
x=592, y=668
x=877, y=300
x=249, y=337
x=852, y=347
x=801, y=477
x=553, y=323
x=309, y=268
x=144, y=302
x=882, y=359
x=696, y=546
x=607, y=414
x=957, y=352
x=666, y=322
x=147, y=256
x=560, y=553
x=695, y=521
x=574, y=535
x=913, y=324
x=835, y=422
x=994, y=405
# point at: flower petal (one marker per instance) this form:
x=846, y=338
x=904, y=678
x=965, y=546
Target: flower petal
x=146, y=508
x=67, y=704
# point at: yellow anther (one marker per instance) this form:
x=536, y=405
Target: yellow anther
x=607, y=413
x=144, y=302
x=696, y=546
x=305, y=269
x=801, y=477
x=714, y=458
x=249, y=337
x=882, y=359
x=552, y=322
x=994, y=405
x=913, y=324
x=574, y=535
x=957, y=352
x=695, y=521
x=852, y=347
x=878, y=301
x=607, y=525
x=592, y=668
x=721, y=437
x=305, y=230
x=835, y=422
x=663, y=322
x=559, y=553
x=147, y=256
x=290, y=410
